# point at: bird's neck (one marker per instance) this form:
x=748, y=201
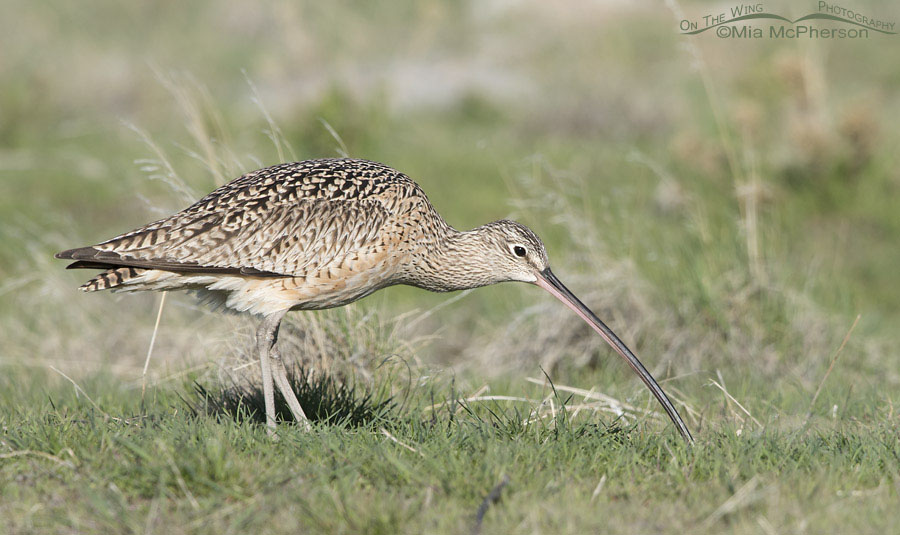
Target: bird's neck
x=454, y=261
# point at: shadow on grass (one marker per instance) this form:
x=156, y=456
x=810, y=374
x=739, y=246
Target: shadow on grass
x=323, y=398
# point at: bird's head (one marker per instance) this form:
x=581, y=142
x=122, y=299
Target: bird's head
x=515, y=253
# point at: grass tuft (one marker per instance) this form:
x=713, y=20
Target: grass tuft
x=324, y=400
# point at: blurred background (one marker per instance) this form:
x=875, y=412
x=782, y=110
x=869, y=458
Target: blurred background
x=728, y=205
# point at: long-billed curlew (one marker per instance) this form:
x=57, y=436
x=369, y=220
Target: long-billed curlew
x=320, y=234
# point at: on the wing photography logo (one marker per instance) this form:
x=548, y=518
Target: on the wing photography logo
x=829, y=21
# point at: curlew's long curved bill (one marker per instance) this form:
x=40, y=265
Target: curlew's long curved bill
x=548, y=281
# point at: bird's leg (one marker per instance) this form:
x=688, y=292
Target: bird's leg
x=271, y=362
x=265, y=336
x=281, y=379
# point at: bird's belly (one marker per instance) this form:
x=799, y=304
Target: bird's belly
x=314, y=293
x=324, y=288
x=266, y=296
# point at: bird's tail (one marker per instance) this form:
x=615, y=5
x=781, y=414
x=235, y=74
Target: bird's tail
x=111, y=278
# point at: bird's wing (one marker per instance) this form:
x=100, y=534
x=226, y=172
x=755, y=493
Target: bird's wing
x=264, y=239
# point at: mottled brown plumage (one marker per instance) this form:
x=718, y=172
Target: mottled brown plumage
x=307, y=235
x=320, y=234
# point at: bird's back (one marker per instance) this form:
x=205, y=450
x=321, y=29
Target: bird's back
x=315, y=233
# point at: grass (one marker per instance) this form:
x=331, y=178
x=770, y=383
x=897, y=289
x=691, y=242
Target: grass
x=728, y=208
x=162, y=468
x=324, y=400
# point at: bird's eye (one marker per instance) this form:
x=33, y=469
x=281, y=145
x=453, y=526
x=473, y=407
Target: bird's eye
x=519, y=250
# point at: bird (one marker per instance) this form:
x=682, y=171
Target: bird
x=319, y=234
